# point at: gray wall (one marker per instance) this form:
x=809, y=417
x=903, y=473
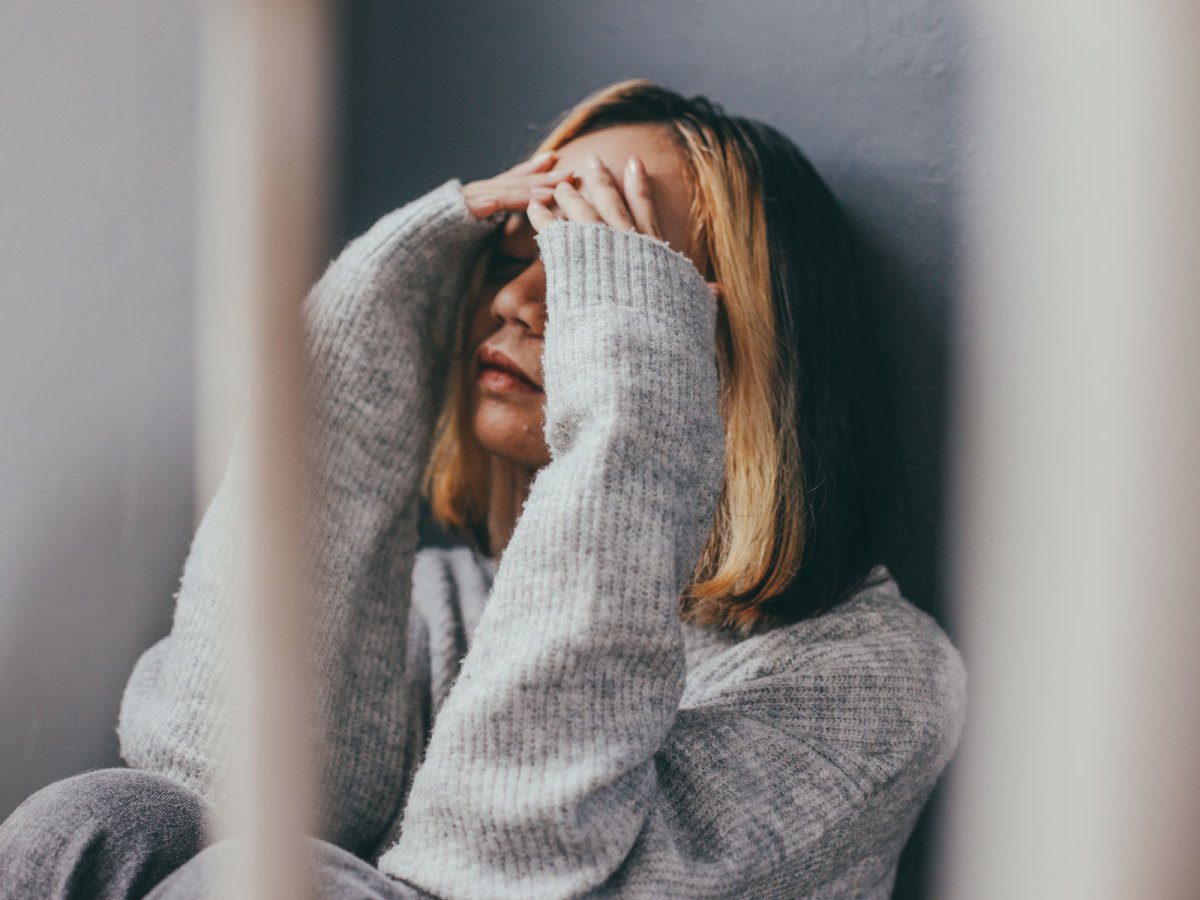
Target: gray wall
x=96, y=258
x=869, y=89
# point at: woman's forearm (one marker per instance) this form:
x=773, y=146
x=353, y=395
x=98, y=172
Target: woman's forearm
x=373, y=325
x=540, y=771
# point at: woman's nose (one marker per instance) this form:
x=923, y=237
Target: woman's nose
x=523, y=299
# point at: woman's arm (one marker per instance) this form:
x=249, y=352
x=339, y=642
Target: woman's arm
x=561, y=763
x=540, y=772
x=376, y=382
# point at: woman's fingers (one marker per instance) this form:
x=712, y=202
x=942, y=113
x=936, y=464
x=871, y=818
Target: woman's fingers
x=540, y=215
x=600, y=200
x=509, y=195
x=605, y=198
x=510, y=191
x=640, y=198
x=533, y=164
x=574, y=205
x=535, y=179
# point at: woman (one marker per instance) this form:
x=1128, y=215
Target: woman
x=600, y=602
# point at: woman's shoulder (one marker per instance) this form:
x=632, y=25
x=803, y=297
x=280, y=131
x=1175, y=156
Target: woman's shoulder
x=877, y=623
x=871, y=671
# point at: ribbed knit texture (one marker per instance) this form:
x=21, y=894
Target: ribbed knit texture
x=548, y=727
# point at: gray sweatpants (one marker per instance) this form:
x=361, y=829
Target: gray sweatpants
x=113, y=834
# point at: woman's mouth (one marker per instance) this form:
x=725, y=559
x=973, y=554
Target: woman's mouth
x=497, y=379
x=498, y=372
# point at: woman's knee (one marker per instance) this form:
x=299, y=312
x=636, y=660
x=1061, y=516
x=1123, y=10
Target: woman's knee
x=331, y=873
x=121, y=826
x=112, y=796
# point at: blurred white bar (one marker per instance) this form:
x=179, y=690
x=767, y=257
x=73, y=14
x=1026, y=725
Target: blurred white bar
x=1076, y=509
x=264, y=201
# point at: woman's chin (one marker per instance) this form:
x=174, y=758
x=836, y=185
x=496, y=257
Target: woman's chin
x=512, y=431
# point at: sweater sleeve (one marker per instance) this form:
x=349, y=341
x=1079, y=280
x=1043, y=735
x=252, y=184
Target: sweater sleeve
x=564, y=762
x=540, y=777
x=373, y=323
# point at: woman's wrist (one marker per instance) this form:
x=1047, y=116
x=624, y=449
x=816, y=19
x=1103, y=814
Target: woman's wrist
x=594, y=264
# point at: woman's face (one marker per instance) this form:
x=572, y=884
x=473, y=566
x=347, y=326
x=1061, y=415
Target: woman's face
x=507, y=416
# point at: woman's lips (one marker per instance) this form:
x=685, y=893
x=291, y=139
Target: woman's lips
x=500, y=380
x=498, y=371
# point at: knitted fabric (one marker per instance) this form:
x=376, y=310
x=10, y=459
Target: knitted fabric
x=544, y=725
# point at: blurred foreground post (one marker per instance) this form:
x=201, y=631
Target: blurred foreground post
x=1077, y=495
x=265, y=102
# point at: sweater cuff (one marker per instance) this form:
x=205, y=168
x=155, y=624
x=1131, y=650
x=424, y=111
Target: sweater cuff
x=594, y=264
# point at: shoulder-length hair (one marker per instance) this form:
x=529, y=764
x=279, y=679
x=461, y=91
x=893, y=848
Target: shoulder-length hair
x=814, y=484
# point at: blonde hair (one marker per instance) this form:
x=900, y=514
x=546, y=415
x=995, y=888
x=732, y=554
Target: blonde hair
x=757, y=542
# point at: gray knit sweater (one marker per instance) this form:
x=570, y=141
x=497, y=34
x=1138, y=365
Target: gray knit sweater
x=549, y=727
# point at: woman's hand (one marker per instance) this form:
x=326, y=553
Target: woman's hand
x=603, y=202
x=513, y=189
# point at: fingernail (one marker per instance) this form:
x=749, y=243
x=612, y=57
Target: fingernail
x=632, y=166
x=542, y=191
x=594, y=161
x=542, y=157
